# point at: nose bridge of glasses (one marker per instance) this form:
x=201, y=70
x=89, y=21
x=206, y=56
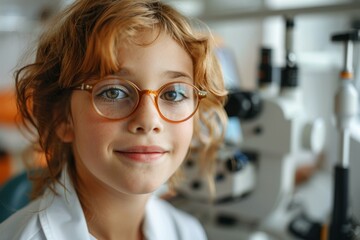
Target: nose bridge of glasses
x=152, y=94
x=149, y=92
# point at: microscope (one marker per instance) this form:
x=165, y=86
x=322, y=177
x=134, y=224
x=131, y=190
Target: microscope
x=254, y=178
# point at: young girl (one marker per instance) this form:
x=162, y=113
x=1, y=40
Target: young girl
x=118, y=92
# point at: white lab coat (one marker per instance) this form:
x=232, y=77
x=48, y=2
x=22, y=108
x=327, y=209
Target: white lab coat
x=61, y=217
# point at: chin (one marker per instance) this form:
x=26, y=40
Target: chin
x=148, y=188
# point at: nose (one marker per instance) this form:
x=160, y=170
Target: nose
x=146, y=117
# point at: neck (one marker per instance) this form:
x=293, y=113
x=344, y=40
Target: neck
x=120, y=220
x=110, y=214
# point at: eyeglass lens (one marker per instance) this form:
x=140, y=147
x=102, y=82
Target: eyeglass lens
x=116, y=99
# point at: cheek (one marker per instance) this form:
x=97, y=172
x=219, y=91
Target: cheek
x=182, y=135
x=91, y=132
x=93, y=137
x=87, y=135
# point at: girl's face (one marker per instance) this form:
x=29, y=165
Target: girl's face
x=137, y=154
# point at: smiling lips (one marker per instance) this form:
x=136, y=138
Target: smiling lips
x=143, y=153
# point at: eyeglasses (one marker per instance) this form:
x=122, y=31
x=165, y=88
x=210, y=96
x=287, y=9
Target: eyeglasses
x=115, y=98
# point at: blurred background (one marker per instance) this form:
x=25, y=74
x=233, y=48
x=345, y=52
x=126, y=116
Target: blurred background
x=297, y=32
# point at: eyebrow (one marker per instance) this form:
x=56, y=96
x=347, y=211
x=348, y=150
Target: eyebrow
x=125, y=72
x=177, y=74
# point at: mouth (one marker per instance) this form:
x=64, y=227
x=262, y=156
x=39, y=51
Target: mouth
x=144, y=154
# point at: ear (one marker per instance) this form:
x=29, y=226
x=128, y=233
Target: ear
x=65, y=132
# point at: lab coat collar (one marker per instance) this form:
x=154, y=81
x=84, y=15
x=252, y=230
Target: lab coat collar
x=62, y=216
x=158, y=223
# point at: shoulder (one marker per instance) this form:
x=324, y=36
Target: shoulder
x=184, y=225
x=24, y=224
x=52, y=216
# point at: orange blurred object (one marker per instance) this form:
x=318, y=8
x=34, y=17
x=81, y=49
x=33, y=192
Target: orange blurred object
x=8, y=113
x=8, y=116
x=5, y=167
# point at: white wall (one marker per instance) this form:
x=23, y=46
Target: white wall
x=13, y=46
x=243, y=37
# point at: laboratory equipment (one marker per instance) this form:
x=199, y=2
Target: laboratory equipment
x=268, y=85
x=346, y=109
x=275, y=140
x=255, y=179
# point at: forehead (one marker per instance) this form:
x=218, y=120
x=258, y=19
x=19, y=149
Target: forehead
x=154, y=51
x=147, y=38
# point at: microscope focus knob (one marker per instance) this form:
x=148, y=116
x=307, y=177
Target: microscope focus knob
x=314, y=134
x=237, y=162
x=245, y=105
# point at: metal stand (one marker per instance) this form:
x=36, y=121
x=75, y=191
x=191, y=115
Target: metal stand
x=346, y=108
